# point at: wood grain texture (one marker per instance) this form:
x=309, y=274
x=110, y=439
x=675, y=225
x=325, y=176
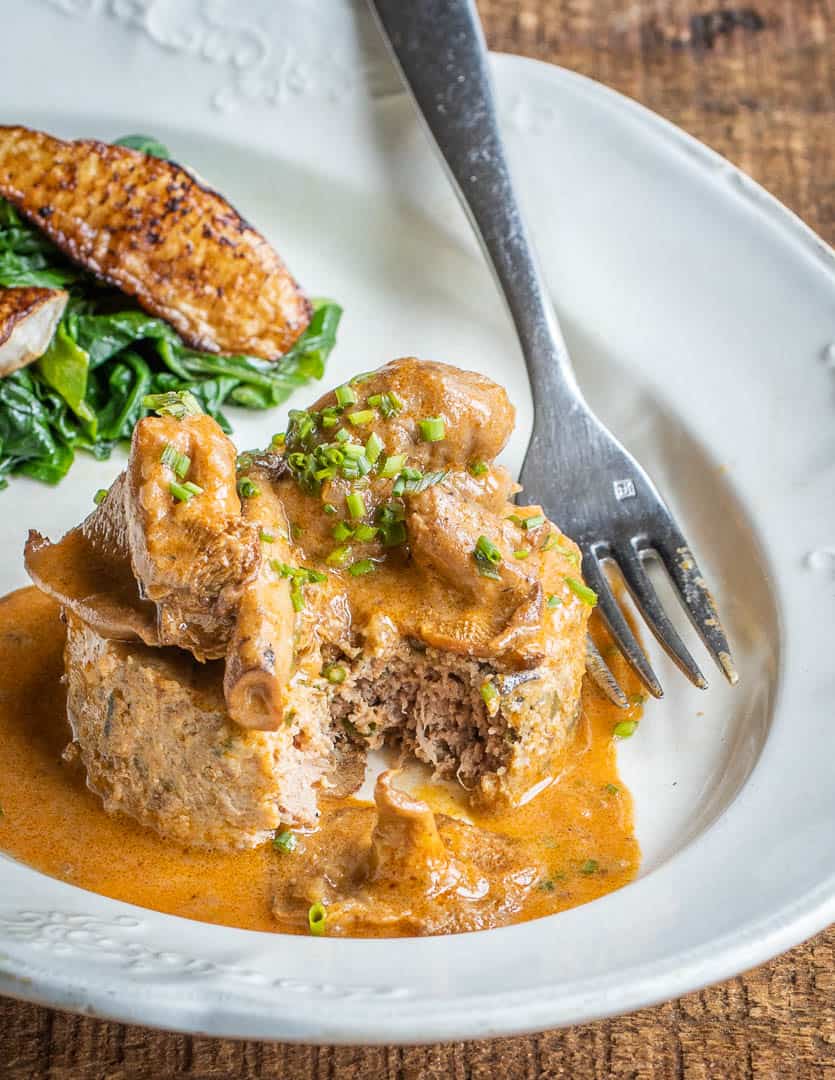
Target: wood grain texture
x=757, y=83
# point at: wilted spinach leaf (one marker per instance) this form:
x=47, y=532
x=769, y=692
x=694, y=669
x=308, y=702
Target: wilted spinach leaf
x=86, y=391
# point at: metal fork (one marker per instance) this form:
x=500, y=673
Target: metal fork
x=574, y=466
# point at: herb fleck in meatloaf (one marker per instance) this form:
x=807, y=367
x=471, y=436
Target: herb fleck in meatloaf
x=236, y=647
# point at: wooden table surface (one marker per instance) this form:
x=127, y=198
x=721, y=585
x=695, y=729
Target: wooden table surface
x=758, y=85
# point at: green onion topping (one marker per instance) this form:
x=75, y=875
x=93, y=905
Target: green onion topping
x=364, y=566
x=488, y=692
x=553, y=601
x=521, y=553
x=374, y=447
x=391, y=523
x=432, y=429
x=184, y=492
x=488, y=558
x=345, y=395
x=342, y=531
x=247, y=489
x=329, y=508
x=587, y=595
x=590, y=866
x=299, y=576
x=177, y=462
x=316, y=918
x=176, y=403
x=266, y=537
x=100, y=496
x=478, y=468
x=339, y=556
x=335, y=673
x=613, y=789
x=393, y=464
x=356, y=505
x=285, y=841
x=363, y=533
x=362, y=417
x=625, y=729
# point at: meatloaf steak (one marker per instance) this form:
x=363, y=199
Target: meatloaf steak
x=158, y=745
x=243, y=629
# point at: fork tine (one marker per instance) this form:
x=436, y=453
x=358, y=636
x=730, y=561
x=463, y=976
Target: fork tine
x=696, y=598
x=605, y=681
x=643, y=593
x=619, y=627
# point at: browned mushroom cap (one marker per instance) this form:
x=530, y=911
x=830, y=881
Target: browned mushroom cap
x=28, y=318
x=192, y=555
x=150, y=228
x=505, y=621
x=476, y=412
x=259, y=659
x=89, y=572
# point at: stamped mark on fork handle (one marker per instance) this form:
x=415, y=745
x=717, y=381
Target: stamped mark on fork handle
x=624, y=489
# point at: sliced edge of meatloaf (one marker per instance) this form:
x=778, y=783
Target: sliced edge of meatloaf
x=158, y=745
x=497, y=733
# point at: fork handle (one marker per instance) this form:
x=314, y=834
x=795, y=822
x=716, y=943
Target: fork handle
x=440, y=49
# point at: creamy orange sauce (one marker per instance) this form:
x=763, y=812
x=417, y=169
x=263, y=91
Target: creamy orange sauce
x=580, y=829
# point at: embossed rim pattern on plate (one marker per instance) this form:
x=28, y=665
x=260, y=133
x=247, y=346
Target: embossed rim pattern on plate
x=63, y=947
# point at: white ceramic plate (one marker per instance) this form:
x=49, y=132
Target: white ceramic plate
x=699, y=312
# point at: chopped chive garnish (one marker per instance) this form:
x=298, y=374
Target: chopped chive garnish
x=390, y=521
x=637, y=699
x=362, y=417
x=184, y=492
x=342, y=435
x=278, y=439
x=316, y=918
x=388, y=403
x=374, y=447
x=176, y=403
x=515, y=519
x=356, y=505
x=339, y=556
x=550, y=542
x=394, y=463
x=625, y=729
x=247, y=489
x=363, y=533
x=267, y=538
x=329, y=421
x=341, y=531
x=613, y=789
x=488, y=692
x=335, y=673
x=391, y=402
x=177, y=462
x=590, y=866
x=432, y=429
x=478, y=468
x=329, y=508
x=521, y=553
x=587, y=595
x=345, y=395
x=100, y=496
x=488, y=557
x=298, y=576
x=364, y=566
x=285, y=841
x=353, y=451
x=553, y=601
x=363, y=376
